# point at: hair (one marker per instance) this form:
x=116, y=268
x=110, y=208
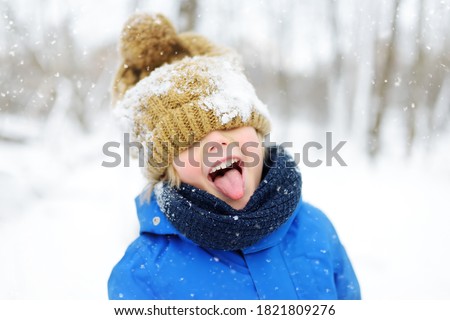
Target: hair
x=172, y=176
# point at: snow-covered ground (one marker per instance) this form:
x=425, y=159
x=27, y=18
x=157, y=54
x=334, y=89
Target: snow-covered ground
x=65, y=220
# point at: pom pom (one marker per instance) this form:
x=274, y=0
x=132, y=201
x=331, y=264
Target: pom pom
x=148, y=41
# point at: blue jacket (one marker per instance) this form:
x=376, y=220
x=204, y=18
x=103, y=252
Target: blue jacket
x=303, y=259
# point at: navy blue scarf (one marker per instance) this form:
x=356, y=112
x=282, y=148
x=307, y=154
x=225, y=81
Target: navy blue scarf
x=212, y=223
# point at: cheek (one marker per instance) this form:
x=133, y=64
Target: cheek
x=253, y=151
x=188, y=167
x=188, y=174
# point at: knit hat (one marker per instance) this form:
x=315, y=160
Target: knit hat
x=173, y=89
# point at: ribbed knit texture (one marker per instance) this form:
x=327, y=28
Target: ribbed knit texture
x=212, y=223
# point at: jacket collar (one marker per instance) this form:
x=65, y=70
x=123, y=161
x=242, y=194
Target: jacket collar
x=153, y=220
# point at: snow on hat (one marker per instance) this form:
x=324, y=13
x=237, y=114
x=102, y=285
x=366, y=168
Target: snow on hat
x=173, y=89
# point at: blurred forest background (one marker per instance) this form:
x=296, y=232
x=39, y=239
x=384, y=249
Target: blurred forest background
x=374, y=73
x=339, y=64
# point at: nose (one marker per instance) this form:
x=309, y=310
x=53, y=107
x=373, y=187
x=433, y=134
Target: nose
x=217, y=140
x=214, y=146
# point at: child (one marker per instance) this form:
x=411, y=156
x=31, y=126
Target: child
x=222, y=217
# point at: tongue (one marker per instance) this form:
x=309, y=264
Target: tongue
x=231, y=184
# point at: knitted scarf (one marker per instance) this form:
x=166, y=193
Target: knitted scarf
x=212, y=223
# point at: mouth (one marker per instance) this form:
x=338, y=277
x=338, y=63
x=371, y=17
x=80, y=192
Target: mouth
x=222, y=168
x=228, y=178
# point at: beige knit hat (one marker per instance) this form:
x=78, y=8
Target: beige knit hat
x=173, y=89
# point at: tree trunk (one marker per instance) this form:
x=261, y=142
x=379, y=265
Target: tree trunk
x=188, y=15
x=382, y=84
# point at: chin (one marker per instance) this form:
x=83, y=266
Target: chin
x=239, y=203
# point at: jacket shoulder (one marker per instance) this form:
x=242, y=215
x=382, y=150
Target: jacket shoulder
x=314, y=232
x=129, y=279
x=316, y=239
x=312, y=220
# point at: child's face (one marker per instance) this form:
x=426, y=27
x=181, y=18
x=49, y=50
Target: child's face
x=226, y=163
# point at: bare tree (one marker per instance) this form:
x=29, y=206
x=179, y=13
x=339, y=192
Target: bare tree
x=188, y=15
x=335, y=77
x=47, y=75
x=415, y=82
x=383, y=82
